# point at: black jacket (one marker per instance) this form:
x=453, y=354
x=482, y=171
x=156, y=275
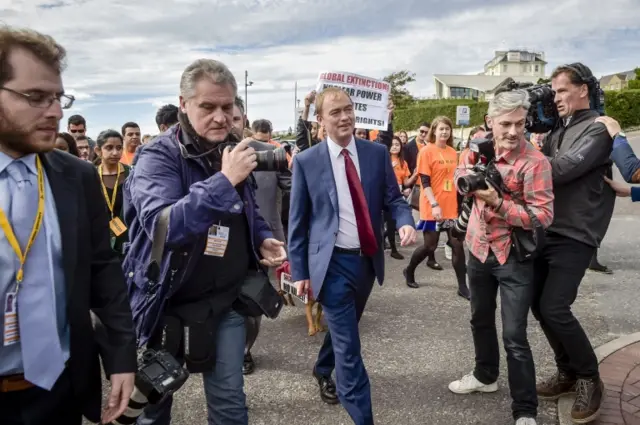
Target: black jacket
x=411, y=154
x=580, y=158
x=93, y=277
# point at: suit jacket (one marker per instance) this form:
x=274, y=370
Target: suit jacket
x=93, y=277
x=271, y=186
x=313, y=215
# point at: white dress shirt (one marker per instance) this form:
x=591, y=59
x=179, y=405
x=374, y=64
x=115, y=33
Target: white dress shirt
x=348, y=228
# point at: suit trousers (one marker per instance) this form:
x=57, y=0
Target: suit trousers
x=343, y=296
x=35, y=406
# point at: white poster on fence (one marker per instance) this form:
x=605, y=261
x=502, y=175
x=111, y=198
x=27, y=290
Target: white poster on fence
x=370, y=97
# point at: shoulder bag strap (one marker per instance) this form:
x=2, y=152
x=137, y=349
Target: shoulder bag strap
x=157, y=244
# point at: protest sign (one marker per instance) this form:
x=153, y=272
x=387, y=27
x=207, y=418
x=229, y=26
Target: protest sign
x=370, y=97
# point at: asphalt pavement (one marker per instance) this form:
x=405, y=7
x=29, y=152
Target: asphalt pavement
x=415, y=341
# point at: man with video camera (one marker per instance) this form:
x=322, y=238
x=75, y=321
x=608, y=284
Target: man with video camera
x=195, y=179
x=579, y=150
x=514, y=195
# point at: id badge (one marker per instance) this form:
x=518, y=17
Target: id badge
x=217, y=241
x=117, y=226
x=11, y=329
x=448, y=186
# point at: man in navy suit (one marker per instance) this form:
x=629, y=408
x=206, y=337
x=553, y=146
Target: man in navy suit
x=339, y=189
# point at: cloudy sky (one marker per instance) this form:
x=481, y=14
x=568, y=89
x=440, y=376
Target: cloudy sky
x=126, y=57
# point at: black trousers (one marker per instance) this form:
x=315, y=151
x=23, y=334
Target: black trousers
x=558, y=273
x=390, y=232
x=515, y=282
x=35, y=406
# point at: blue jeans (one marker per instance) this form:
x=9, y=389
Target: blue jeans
x=223, y=387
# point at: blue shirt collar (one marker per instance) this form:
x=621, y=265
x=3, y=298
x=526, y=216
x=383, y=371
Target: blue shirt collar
x=28, y=160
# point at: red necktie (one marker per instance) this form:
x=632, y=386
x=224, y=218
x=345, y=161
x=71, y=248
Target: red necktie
x=368, y=243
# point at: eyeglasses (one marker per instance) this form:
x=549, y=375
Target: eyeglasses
x=77, y=131
x=44, y=100
x=424, y=131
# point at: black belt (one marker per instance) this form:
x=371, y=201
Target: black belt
x=350, y=251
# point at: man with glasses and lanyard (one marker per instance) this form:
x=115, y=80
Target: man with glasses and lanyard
x=56, y=263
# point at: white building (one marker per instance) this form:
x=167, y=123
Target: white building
x=516, y=63
x=522, y=66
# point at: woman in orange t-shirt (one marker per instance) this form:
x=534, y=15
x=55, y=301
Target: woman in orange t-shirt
x=400, y=168
x=436, y=166
x=405, y=182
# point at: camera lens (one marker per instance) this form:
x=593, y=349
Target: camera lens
x=471, y=183
x=275, y=160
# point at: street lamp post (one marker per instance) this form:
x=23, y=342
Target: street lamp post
x=247, y=83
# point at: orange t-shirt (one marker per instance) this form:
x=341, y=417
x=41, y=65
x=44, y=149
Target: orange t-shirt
x=440, y=165
x=127, y=158
x=401, y=169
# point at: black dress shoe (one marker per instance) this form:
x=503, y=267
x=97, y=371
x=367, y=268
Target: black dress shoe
x=249, y=365
x=395, y=254
x=434, y=265
x=327, y=388
x=463, y=292
x=410, y=284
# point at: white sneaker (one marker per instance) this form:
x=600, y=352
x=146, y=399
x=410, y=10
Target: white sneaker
x=526, y=421
x=448, y=252
x=469, y=384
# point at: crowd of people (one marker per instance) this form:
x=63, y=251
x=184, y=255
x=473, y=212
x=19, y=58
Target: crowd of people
x=81, y=276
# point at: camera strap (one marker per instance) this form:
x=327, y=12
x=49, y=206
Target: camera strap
x=157, y=245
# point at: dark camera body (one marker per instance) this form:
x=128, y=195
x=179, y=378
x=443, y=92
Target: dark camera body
x=483, y=171
x=269, y=160
x=543, y=114
x=483, y=174
x=159, y=375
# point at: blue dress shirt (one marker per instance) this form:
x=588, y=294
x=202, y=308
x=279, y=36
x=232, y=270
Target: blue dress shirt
x=10, y=356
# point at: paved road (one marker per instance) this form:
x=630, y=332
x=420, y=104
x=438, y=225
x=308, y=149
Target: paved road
x=415, y=342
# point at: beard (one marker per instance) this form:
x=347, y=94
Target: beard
x=15, y=138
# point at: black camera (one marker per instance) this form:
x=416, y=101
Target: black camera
x=270, y=160
x=159, y=375
x=483, y=171
x=543, y=113
x=275, y=160
x=483, y=174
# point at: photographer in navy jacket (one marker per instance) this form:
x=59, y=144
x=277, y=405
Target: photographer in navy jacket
x=215, y=237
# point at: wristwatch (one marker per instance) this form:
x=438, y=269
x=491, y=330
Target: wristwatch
x=435, y=204
x=620, y=134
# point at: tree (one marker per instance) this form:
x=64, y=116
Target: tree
x=544, y=81
x=399, y=94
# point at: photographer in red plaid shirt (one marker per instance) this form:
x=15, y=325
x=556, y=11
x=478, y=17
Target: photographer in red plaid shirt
x=526, y=174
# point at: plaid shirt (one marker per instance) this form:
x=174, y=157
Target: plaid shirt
x=526, y=172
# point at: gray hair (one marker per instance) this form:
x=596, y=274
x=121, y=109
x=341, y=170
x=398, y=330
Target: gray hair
x=240, y=104
x=214, y=70
x=508, y=101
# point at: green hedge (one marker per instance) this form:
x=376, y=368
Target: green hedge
x=409, y=119
x=624, y=106
x=634, y=85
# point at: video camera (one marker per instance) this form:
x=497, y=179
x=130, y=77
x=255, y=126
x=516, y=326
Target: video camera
x=159, y=375
x=543, y=114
